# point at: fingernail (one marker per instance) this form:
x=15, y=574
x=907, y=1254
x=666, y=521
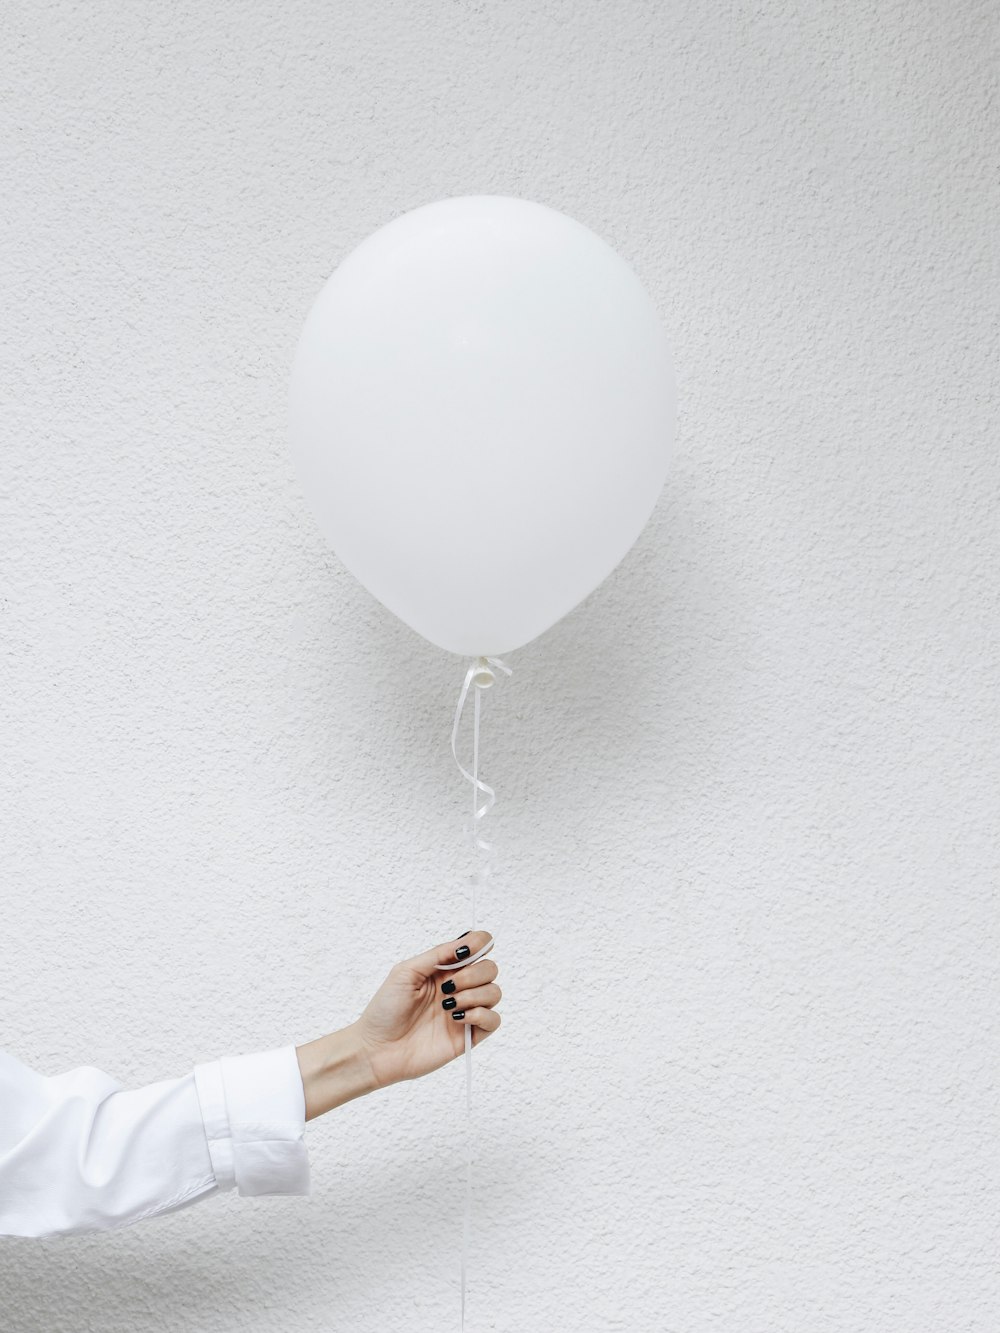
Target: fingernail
x=464, y=933
x=463, y=951
x=448, y=988
x=449, y=1003
x=458, y=1013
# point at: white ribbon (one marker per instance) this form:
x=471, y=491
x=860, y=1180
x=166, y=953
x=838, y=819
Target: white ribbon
x=480, y=674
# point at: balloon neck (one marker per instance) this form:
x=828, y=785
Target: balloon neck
x=484, y=676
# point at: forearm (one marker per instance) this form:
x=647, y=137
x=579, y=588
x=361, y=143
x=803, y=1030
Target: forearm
x=335, y=1069
x=80, y=1152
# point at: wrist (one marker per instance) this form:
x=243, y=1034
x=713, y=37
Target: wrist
x=335, y=1069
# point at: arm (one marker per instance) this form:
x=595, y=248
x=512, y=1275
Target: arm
x=79, y=1152
x=408, y=1027
x=334, y=1069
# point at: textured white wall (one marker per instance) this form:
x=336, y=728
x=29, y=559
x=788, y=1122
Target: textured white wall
x=747, y=911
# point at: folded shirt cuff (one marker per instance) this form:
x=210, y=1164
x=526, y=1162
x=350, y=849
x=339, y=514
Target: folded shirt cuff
x=254, y=1111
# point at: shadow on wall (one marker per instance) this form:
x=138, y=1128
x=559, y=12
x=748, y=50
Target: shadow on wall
x=617, y=686
x=254, y=1262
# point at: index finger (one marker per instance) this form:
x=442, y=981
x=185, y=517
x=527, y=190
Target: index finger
x=453, y=954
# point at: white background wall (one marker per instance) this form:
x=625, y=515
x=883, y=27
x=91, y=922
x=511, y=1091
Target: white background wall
x=747, y=908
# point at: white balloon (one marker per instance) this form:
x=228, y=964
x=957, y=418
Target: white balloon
x=482, y=410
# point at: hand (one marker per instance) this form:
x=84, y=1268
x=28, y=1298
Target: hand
x=405, y=1029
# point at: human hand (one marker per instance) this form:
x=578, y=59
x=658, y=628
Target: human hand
x=406, y=1030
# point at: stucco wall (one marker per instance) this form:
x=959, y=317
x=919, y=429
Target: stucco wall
x=746, y=910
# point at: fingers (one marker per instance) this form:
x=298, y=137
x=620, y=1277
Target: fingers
x=452, y=951
x=484, y=996
x=480, y=942
x=482, y=1021
x=478, y=974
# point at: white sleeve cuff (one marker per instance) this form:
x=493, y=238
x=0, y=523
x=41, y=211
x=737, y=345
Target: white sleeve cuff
x=254, y=1111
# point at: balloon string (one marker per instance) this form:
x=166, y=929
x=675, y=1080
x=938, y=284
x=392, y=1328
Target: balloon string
x=481, y=675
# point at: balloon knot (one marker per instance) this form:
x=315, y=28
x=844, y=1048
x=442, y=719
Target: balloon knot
x=484, y=675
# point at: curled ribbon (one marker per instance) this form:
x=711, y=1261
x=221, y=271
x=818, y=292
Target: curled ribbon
x=481, y=675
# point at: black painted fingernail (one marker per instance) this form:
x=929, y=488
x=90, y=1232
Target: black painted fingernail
x=448, y=988
x=464, y=933
x=458, y=1013
x=449, y=1003
x=463, y=952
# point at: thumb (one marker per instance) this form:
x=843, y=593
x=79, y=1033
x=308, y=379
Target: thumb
x=451, y=952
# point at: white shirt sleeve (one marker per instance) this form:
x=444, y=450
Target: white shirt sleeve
x=79, y=1152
